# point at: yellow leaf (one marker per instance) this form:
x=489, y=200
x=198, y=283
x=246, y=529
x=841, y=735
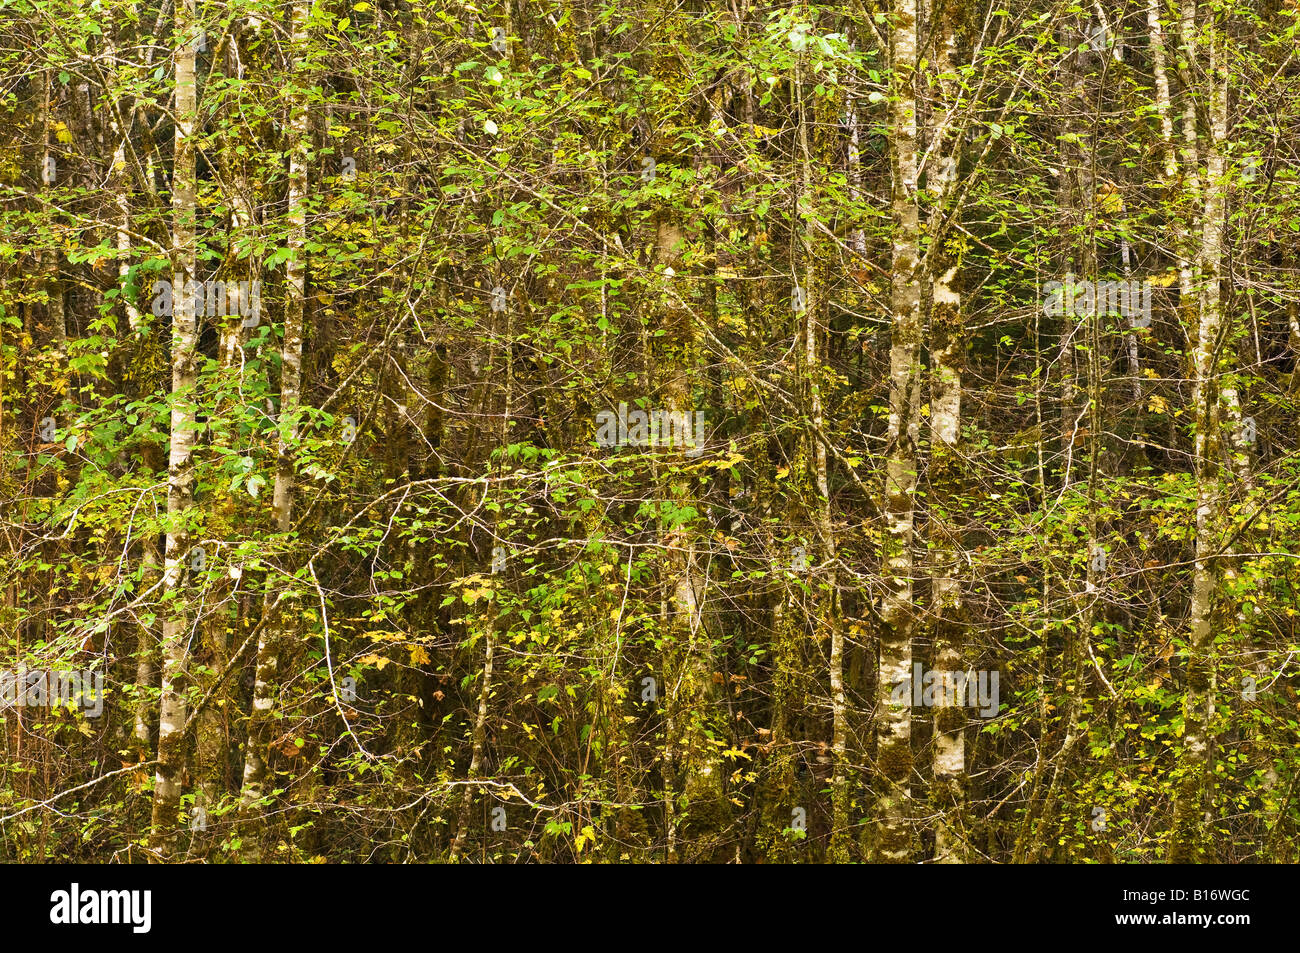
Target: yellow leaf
x=1109, y=199
x=1157, y=404
x=731, y=460
x=419, y=656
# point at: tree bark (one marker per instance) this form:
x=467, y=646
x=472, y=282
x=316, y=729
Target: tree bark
x=271, y=642
x=180, y=465
x=1187, y=840
x=897, y=608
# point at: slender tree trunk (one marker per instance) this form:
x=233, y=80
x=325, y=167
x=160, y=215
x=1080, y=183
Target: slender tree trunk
x=948, y=358
x=180, y=467
x=815, y=314
x=898, y=610
x=949, y=762
x=477, y=743
x=1187, y=841
x=271, y=642
x=478, y=739
x=146, y=668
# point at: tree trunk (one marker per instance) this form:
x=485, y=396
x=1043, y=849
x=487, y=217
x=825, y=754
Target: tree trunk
x=1187, y=843
x=897, y=609
x=180, y=467
x=271, y=642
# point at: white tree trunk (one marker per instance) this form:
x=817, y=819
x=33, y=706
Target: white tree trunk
x=897, y=610
x=269, y=643
x=180, y=469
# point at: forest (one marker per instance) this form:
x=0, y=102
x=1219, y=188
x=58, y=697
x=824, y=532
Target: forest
x=649, y=431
